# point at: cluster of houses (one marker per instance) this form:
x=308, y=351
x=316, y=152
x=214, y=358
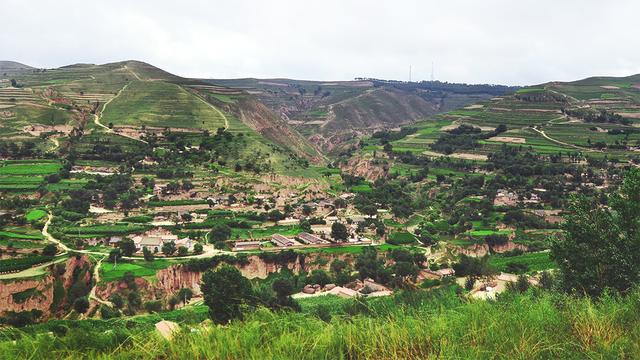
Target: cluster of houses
x=511, y=198
x=153, y=240
x=302, y=240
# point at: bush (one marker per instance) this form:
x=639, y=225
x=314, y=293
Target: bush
x=81, y=305
x=319, y=277
x=153, y=306
x=49, y=250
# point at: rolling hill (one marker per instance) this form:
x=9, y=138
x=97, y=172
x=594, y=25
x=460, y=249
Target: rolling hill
x=124, y=98
x=598, y=117
x=333, y=113
x=7, y=67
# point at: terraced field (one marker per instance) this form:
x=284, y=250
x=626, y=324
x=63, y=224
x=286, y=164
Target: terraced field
x=541, y=124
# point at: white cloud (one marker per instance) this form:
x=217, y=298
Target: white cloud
x=496, y=41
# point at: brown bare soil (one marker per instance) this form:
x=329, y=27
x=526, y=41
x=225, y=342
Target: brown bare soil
x=629, y=115
x=38, y=129
x=508, y=139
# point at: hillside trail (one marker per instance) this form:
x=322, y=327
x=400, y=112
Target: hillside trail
x=98, y=114
x=50, y=238
x=132, y=72
x=226, y=121
x=56, y=143
x=96, y=280
x=541, y=132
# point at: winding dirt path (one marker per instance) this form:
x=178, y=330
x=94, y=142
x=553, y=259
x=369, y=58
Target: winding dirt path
x=98, y=114
x=96, y=280
x=541, y=132
x=226, y=121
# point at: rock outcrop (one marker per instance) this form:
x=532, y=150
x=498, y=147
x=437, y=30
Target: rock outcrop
x=479, y=250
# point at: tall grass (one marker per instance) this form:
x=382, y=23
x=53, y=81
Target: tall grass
x=536, y=325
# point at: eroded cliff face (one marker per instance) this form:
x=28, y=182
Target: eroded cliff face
x=39, y=294
x=479, y=250
x=26, y=295
x=170, y=280
x=367, y=168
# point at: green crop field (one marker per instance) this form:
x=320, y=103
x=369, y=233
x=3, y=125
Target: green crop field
x=35, y=214
x=19, y=235
x=536, y=261
x=29, y=169
x=112, y=272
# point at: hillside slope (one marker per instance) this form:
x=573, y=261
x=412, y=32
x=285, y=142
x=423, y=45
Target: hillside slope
x=12, y=66
x=126, y=97
x=333, y=113
x=597, y=116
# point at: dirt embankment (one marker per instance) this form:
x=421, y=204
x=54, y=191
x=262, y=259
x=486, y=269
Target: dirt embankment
x=367, y=168
x=260, y=118
x=170, y=280
x=38, y=294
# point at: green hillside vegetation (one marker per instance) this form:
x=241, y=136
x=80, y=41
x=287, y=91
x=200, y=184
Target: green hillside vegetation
x=339, y=111
x=540, y=118
x=156, y=103
x=534, y=326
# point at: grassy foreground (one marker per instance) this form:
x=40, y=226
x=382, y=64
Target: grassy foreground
x=537, y=325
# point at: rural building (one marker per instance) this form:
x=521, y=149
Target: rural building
x=310, y=239
x=154, y=239
x=114, y=240
x=288, y=222
x=281, y=241
x=151, y=243
x=93, y=241
x=246, y=245
x=505, y=198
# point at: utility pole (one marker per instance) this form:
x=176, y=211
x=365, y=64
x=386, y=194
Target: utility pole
x=409, y=73
x=433, y=78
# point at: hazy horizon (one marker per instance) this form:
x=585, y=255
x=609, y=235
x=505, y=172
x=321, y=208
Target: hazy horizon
x=497, y=42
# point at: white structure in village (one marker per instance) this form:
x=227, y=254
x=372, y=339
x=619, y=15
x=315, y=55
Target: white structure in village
x=154, y=239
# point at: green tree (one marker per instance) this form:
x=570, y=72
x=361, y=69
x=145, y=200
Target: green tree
x=129, y=278
x=185, y=294
x=520, y=286
x=283, y=287
x=49, y=250
x=169, y=248
x=148, y=255
x=127, y=246
x=134, y=300
x=319, y=277
x=220, y=233
x=183, y=251
x=117, y=301
x=601, y=248
x=197, y=248
x=339, y=231
x=81, y=305
x=173, y=301
x=153, y=306
x=114, y=255
x=546, y=280
x=225, y=291
x=369, y=265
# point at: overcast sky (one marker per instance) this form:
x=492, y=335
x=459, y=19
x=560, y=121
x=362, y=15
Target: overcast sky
x=488, y=41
